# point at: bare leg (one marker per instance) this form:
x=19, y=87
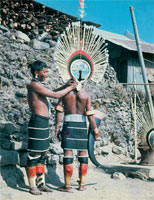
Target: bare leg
x=68, y=171
x=83, y=159
x=40, y=169
x=31, y=173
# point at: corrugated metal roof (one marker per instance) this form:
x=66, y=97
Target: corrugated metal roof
x=122, y=40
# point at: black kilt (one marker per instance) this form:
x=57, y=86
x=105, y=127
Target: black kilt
x=38, y=130
x=74, y=136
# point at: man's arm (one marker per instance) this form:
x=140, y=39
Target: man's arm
x=64, y=86
x=39, y=88
x=59, y=110
x=91, y=119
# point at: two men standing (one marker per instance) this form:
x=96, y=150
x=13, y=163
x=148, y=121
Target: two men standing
x=77, y=104
x=39, y=140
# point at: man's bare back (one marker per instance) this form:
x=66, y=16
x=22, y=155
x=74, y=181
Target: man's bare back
x=75, y=102
x=74, y=134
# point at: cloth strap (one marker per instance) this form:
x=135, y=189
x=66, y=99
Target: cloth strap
x=75, y=118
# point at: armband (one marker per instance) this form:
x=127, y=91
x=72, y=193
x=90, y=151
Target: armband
x=96, y=113
x=90, y=112
x=96, y=130
x=60, y=108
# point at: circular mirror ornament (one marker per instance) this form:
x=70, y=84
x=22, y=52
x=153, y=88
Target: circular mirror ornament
x=150, y=138
x=80, y=66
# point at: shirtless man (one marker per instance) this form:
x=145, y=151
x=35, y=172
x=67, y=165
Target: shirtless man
x=38, y=128
x=77, y=104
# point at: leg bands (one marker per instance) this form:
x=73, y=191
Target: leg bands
x=83, y=160
x=68, y=170
x=83, y=169
x=68, y=167
x=31, y=174
x=31, y=171
x=67, y=160
x=40, y=169
x=32, y=160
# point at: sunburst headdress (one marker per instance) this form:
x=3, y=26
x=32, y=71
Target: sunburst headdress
x=81, y=52
x=146, y=132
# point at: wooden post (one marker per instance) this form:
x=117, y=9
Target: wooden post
x=133, y=103
x=141, y=60
x=135, y=129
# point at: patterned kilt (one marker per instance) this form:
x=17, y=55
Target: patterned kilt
x=39, y=139
x=74, y=133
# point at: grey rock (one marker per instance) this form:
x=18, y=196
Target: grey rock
x=20, y=75
x=22, y=36
x=52, y=160
x=116, y=150
x=139, y=174
x=118, y=176
x=52, y=43
x=19, y=83
x=2, y=72
x=6, y=144
x=56, y=149
x=12, y=56
x=24, y=47
x=9, y=128
x=23, y=159
x=16, y=146
x=61, y=159
x=43, y=36
x=3, y=28
x=39, y=45
x=106, y=150
x=21, y=93
x=8, y=157
x=4, y=81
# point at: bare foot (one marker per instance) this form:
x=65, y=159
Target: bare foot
x=82, y=188
x=65, y=189
x=44, y=188
x=35, y=191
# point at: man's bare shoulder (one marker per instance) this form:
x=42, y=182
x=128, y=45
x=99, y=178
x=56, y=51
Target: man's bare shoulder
x=84, y=92
x=34, y=85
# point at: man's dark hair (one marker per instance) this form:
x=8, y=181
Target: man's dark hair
x=37, y=66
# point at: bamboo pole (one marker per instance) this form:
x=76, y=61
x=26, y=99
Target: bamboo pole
x=135, y=129
x=141, y=60
x=137, y=83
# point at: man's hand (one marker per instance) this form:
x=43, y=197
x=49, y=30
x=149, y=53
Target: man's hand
x=96, y=133
x=72, y=84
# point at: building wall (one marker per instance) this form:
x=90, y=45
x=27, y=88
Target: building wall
x=135, y=71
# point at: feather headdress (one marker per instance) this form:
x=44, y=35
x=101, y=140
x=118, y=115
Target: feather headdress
x=81, y=53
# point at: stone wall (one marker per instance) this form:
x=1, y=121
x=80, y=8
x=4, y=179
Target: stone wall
x=20, y=46
x=17, y=50
x=33, y=18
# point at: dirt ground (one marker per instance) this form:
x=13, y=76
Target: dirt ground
x=100, y=186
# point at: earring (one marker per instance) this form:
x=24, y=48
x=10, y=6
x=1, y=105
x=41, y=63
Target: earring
x=36, y=76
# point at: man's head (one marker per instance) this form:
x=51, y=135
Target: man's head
x=38, y=70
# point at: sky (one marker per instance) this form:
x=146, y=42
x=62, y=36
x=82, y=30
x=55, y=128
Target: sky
x=113, y=15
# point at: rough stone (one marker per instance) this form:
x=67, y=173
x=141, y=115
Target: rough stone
x=22, y=36
x=8, y=157
x=119, y=176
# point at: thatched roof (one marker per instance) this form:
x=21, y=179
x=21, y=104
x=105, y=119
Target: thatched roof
x=127, y=43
